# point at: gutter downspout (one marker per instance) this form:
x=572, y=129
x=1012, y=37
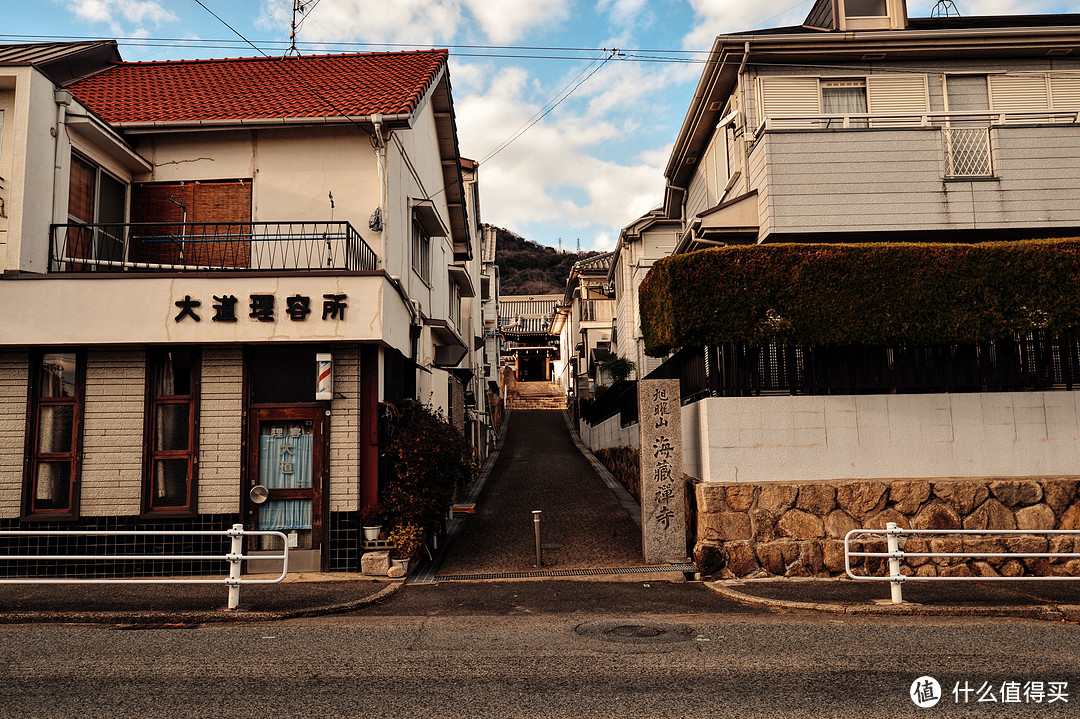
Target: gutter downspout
x=380, y=162
x=63, y=98
x=742, y=100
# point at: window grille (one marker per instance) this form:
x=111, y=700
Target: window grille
x=967, y=152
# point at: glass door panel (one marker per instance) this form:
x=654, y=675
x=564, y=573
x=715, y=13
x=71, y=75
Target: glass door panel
x=286, y=466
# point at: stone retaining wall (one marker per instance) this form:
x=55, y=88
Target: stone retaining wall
x=797, y=529
x=624, y=463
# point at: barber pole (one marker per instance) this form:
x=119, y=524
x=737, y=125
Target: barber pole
x=324, y=378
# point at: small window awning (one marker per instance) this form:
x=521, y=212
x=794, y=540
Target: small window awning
x=460, y=275
x=732, y=222
x=449, y=348
x=425, y=213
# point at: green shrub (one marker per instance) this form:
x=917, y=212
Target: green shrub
x=428, y=468
x=618, y=368
x=861, y=294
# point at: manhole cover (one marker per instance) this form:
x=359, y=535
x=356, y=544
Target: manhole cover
x=627, y=632
x=638, y=631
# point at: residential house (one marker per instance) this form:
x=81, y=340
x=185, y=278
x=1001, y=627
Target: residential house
x=221, y=274
x=492, y=351
x=866, y=125
x=641, y=243
x=590, y=309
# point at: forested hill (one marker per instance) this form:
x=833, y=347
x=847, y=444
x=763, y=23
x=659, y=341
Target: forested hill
x=529, y=268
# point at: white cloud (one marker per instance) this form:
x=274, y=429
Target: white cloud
x=716, y=17
x=550, y=174
x=115, y=12
x=505, y=22
x=420, y=22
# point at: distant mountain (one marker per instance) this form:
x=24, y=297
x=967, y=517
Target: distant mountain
x=529, y=268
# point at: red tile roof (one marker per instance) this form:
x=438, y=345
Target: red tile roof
x=261, y=88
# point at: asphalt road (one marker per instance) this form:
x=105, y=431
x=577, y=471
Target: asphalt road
x=536, y=649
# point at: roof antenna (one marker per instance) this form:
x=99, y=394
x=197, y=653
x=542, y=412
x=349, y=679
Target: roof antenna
x=945, y=8
x=299, y=7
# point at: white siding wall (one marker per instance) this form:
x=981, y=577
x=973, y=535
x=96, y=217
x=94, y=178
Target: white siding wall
x=113, y=412
x=886, y=180
x=220, y=432
x=608, y=434
x=13, y=389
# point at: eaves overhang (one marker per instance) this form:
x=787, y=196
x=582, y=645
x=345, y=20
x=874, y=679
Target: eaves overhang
x=104, y=138
x=442, y=105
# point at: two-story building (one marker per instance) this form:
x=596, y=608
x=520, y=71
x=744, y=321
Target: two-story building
x=864, y=124
x=589, y=306
x=641, y=243
x=218, y=272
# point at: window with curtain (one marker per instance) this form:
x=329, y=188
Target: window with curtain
x=844, y=97
x=172, y=437
x=56, y=397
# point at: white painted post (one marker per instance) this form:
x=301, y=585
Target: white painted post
x=235, y=553
x=896, y=578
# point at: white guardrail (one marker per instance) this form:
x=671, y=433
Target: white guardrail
x=234, y=558
x=894, y=536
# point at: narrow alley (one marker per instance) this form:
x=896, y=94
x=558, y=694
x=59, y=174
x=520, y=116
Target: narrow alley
x=584, y=526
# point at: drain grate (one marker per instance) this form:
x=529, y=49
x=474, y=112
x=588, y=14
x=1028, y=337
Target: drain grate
x=684, y=568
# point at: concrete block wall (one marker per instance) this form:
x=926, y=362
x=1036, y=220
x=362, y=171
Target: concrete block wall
x=220, y=435
x=14, y=378
x=113, y=410
x=994, y=434
x=609, y=433
x=345, y=432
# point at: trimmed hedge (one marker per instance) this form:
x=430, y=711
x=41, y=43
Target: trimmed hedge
x=861, y=294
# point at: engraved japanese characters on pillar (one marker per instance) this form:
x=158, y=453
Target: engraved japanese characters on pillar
x=663, y=496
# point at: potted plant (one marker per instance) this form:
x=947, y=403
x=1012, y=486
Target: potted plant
x=371, y=523
x=406, y=539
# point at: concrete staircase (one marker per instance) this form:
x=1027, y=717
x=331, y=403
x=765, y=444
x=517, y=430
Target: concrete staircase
x=537, y=395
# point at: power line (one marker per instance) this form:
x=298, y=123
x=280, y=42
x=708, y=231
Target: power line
x=524, y=52
x=552, y=104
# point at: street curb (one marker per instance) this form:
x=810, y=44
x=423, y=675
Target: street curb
x=1041, y=612
x=625, y=498
x=195, y=617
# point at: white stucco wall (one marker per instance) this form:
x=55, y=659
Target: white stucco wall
x=1001, y=434
x=608, y=434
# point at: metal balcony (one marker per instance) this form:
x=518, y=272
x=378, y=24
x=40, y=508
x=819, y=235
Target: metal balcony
x=210, y=246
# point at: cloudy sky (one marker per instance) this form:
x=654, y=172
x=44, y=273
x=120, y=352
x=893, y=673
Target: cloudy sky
x=572, y=136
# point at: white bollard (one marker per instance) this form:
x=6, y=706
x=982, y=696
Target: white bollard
x=894, y=562
x=234, y=558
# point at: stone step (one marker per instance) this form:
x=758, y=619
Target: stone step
x=535, y=403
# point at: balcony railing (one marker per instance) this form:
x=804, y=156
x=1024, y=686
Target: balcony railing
x=201, y=247
x=966, y=136
x=913, y=120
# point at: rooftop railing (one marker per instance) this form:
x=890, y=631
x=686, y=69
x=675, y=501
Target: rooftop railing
x=208, y=246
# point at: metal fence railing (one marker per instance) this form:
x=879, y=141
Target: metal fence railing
x=895, y=537
x=1035, y=362
x=234, y=558
x=207, y=246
